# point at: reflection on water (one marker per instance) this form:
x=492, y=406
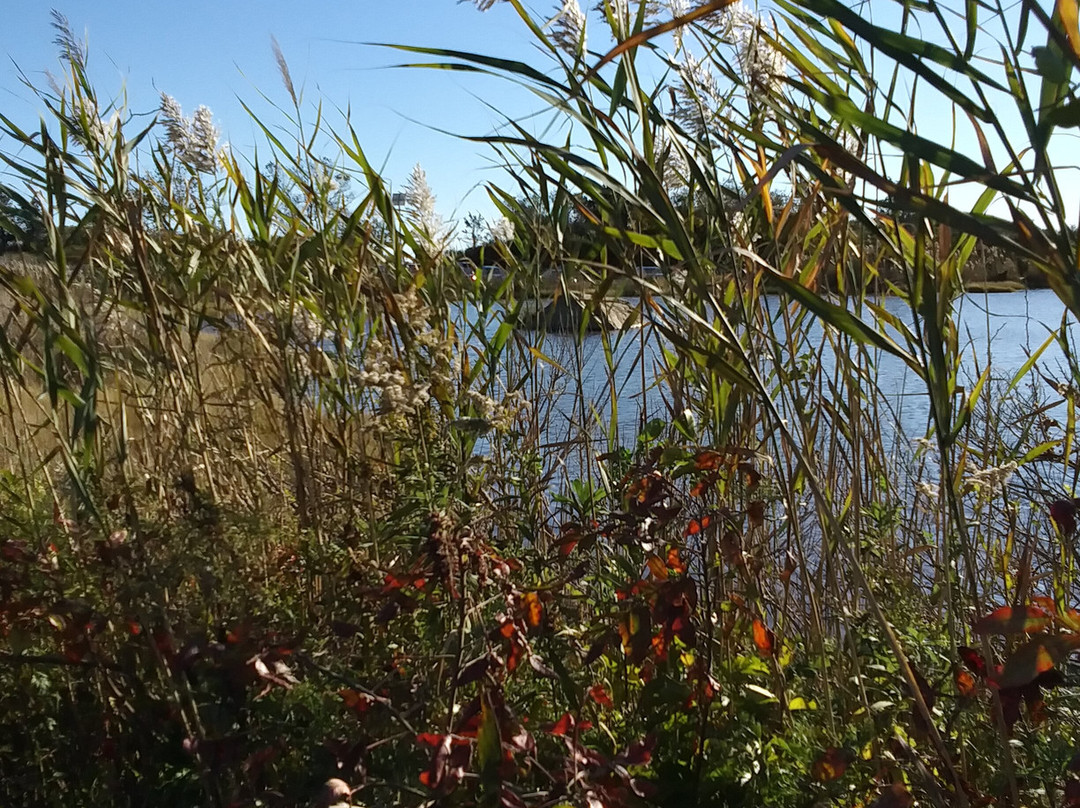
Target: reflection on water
x=996, y=330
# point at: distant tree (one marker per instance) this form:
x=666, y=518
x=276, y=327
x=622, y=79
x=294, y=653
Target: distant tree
x=21, y=227
x=476, y=228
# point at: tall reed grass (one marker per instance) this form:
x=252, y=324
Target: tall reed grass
x=290, y=498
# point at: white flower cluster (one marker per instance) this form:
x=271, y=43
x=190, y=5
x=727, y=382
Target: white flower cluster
x=928, y=490
x=762, y=64
x=697, y=98
x=502, y=229
x=500, y=414
x=194, y=141
x=96, y=132
x=405, y=382
x=991, y=479
x=383, y=371
x=568, y=28
x=420, y=210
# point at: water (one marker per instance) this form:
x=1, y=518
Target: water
x=999, y=330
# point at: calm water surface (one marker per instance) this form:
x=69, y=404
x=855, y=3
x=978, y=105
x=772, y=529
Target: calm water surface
x=1001, y=330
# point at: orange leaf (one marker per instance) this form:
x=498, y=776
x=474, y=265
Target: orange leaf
x=533, y=609
x=701, y=486
x=657, y=567
x=708, y=460
x=965, y=683
x=513, y=659
x=359, y=702
x=659, y=645
x=697, y=525
x=674, y=562
x=763, y=638
x=789, y=568
x=751, y=476
x=1013, y=620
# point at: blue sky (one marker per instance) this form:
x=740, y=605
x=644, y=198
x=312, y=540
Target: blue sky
x=214, y=53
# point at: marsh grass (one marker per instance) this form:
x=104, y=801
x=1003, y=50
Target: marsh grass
x=289, y=498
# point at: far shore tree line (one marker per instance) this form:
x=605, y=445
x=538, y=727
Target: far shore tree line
x=482, y=242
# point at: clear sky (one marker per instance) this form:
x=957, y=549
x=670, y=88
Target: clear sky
x=215, y=52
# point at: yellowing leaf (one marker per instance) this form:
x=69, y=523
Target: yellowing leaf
x=1070, y=23
x=768, y=694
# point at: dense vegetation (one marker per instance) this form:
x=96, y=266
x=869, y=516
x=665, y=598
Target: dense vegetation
x=292, y=512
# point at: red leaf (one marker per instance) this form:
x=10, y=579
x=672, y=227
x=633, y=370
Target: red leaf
x=974, y=660
x=570, y=534
x=429, y=739
x=1063, y=515
x=763, y=638
x=638, y=753
x=566, y=547
x=600, y=696
x=1010, y=705
x=674, y=562
x=563, y=725
x=567, y=724
x=1013, y=620
x=1072, y=794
